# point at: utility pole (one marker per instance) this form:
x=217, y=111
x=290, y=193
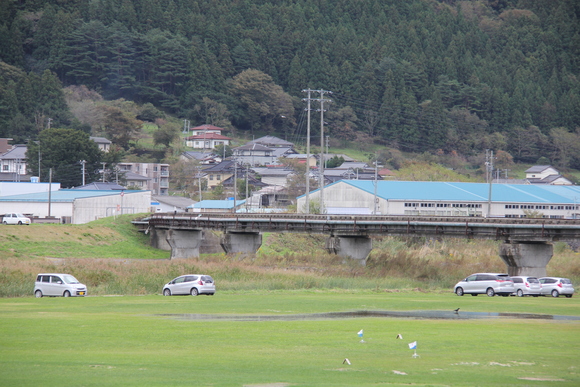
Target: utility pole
x=83, y=162
x=186, y=126
x=489, y=174
x=308, y=99
x=376, y=183
x=104, y=164
x=49, y=122
x=235, y=183
x=322, y=100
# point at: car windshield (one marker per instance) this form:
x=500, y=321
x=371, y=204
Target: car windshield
x=533, y=280
x=69, y=279
x=20, y=216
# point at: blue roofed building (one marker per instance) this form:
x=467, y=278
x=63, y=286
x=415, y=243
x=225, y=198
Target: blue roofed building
x=216, y=206
x=447, y=199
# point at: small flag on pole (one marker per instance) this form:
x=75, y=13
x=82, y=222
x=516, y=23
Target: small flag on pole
x=360, y=334
x=413, y=346
x=346, y=361
x=399, y=336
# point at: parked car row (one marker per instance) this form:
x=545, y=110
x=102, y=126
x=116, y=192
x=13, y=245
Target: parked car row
x=66, y=285
x=504, y=285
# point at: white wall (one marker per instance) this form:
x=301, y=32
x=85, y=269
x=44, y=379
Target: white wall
x=88, y=209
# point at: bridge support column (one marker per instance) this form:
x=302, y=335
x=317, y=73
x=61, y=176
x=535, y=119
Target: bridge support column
x=244, y=243
x=353, y=247
x=184, y=244
x=526, y=258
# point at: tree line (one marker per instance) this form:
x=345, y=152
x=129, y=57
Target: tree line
x=441, y=76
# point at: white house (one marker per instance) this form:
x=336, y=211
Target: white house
x=545, y=174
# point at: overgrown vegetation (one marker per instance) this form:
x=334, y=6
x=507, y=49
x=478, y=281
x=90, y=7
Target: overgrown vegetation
x=111, y=257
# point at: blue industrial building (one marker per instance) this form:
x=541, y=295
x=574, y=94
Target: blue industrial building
x=447, y=199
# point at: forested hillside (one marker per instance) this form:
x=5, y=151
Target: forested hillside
x=444, y=77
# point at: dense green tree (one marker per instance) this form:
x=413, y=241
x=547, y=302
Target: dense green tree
x=61, y=151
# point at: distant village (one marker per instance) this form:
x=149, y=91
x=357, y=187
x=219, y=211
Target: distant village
x=350, y=186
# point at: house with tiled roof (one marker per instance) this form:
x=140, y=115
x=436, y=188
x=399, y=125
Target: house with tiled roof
x=208, y=140
x=545, y=174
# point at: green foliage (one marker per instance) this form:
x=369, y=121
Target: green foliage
x=61, y=151
x=459, y=77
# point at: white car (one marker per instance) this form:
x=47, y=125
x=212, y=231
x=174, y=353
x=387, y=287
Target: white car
x=485, y=283
x=527, y=286
x=554, y=286
x=15, y=218
x=193, y=284
x=58, y=284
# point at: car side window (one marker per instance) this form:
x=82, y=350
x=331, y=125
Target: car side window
x=179, y=280
x=470, y=278
x=55, y=280
x=518, y=280
x=45, y=278
x=189, y=278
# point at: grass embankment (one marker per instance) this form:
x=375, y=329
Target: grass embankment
x=112, y=257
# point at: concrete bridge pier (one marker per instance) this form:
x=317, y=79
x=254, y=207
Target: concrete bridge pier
x=184, y=244
x=352, y=247
x=158, y=238
x=244, y=243
x=526, y=258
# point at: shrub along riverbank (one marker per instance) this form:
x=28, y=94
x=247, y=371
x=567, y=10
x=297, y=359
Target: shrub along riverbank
x=111, y=257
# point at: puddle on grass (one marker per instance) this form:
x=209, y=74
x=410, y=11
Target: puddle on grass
x=416, y=314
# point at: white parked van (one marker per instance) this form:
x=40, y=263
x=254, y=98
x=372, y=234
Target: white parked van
x=58, y=284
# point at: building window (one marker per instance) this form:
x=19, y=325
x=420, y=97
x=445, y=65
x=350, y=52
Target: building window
x=211, y=177
x=219, y=177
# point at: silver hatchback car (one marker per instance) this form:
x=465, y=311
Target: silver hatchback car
x=527, y=286
x=554, y=286
x=58, y=284
x=485, y=283
x=193, y=284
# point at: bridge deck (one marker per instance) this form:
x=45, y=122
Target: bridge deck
x=507, y=229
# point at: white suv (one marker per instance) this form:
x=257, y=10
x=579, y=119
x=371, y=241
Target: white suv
x=58, y=284
x=485, y=283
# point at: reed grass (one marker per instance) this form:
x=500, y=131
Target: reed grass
x=111, y=257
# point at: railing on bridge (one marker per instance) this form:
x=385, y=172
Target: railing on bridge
x=508, y=229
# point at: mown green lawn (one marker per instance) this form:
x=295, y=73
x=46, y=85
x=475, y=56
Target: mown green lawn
x=153, y=340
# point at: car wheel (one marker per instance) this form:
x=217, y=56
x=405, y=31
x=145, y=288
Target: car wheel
x=38, y=294
x=459, y=291
x=4, y=222
x=520, y=293
x=490, y=292
x=166, y=292
x=194, y=292
x=66, y=293
x=555, y=293
x=19, y=223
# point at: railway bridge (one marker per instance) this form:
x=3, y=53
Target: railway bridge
x=526, y=245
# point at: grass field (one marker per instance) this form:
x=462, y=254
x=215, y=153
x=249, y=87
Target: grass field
x=156, y=341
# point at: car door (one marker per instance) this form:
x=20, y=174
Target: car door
x=56, y=286
x=179, y=286
x=469, y=284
